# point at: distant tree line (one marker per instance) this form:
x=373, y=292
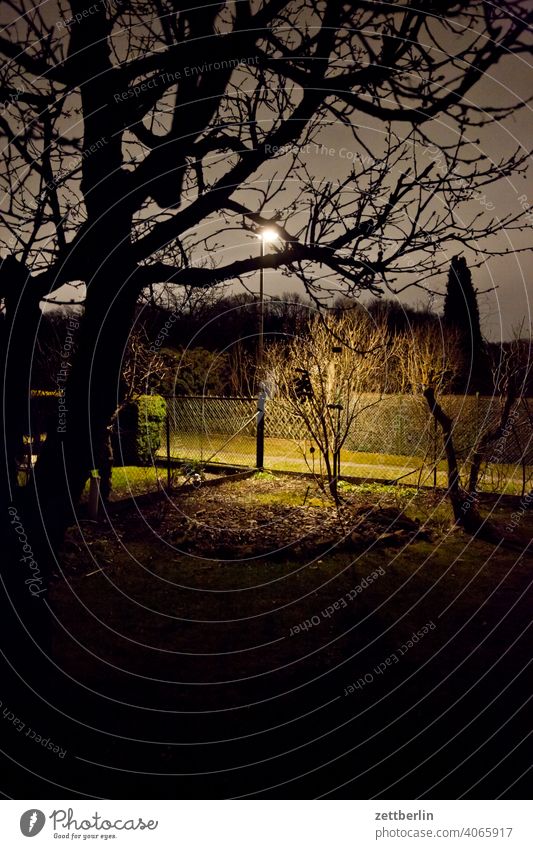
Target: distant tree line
x=208, y=346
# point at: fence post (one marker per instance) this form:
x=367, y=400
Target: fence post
x=260, y=444
x=167, y=423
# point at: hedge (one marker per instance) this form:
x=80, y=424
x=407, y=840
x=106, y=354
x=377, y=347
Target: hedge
x=140, y=425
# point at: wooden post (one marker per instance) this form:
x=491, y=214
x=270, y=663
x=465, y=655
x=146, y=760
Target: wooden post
x=94, y=495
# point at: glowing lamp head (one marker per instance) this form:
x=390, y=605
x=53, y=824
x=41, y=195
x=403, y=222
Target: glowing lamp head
x=268, y=235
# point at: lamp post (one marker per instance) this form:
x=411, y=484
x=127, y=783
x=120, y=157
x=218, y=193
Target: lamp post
x=337, y=349
x=266, y=236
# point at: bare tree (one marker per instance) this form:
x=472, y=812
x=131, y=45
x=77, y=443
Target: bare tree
x=326, y=378
x=430, y=362
x=139, y=137
x=242, y=370
x=511, y=376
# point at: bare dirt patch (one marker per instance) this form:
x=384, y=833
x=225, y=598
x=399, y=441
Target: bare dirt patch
x=277, y=516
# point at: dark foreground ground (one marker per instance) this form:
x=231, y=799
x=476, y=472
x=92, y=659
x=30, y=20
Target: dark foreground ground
x=179, y=666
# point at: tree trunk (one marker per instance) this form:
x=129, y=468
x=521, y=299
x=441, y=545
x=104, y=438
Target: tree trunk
x=463, y=506
x=332, y=477
x=18, y=335
x=106, y=468
x=489, y=436
x=24, y=623
x=77, y=441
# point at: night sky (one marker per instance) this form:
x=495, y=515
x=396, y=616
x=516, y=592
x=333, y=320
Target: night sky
x=504, y=282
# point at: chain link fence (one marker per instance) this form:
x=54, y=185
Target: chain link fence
x=393, y=438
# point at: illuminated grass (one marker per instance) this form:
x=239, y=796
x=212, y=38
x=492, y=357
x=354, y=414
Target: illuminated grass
x=285, y=455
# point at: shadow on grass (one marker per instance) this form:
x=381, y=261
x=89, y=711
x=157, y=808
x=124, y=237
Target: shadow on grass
x=399, y=673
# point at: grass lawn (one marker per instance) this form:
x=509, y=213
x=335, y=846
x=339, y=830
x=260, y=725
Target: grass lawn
x=285, y=455
x=129, y=481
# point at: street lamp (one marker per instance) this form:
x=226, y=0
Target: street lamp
x=267, y=235
x=336, y=349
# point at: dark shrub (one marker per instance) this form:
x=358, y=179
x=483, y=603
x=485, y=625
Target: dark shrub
x=140, y=425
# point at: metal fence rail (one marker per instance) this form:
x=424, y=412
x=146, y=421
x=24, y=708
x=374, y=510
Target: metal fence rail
x=392, y=439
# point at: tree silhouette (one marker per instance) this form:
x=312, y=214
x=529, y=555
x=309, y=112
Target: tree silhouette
x=461, y=313
x=138, y=138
